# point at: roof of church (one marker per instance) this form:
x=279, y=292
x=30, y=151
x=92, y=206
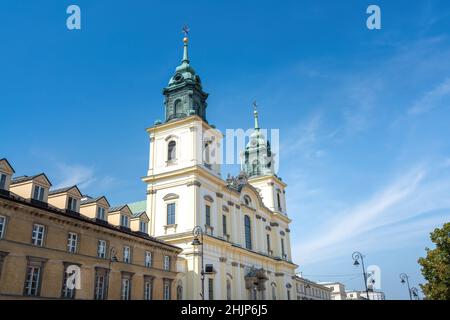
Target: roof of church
x=138, y=207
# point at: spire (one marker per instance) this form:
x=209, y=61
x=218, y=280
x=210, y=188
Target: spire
x=255, y=114
x=185, y=41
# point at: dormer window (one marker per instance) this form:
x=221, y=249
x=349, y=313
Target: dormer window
x=124, y=221
x=143, y=226
x=72, y=204
x=101, y=213
x=171, y=151
x=2, y=181
x=38, y=193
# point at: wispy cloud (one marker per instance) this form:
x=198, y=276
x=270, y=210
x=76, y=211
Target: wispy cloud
x=382, y=220
x=431, y=99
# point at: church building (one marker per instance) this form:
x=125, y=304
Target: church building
x=242, y=222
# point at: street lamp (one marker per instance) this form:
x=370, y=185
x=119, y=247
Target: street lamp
x=112, y=258
x=405, y=279
x=356, y=257
x=415, y=293
x=197, y=232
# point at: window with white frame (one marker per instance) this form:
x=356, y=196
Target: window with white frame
x=143, y=226
x=72, y=241
x=2, y=181
x=101, y=282
x=208, y=215
x=2, y=226
x=126, y=288
x=72, y=204
x=170, y=214
x=148, y=259
x=167, y=263
x=124, y=221
x=37, y=237
x=33, y=279
x=148, y=288
x=126, y=254
x=68, y=293
x=101, y=249
x=172, y=151
x=38, y=193
x=101, y=213
x=166, y=290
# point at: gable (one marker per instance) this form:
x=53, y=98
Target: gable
x=6, y=167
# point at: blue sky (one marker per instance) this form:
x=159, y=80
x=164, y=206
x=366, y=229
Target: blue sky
x=363, y=115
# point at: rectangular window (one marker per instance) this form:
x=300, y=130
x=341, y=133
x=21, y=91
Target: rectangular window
x=66, y=292
x=100, y=284
x=166, y=290
x=289, y=294
x=124, y=221
x=208, y=215
x=268, y=243
x=148, y=259
x=33, y=280
x=2, y=226
x=2, y=181
x=224, y=225
x=38, y=193
x=101, y=249
x=211, y=289
x=126, y=286
x=101, y=213
x=143, y=226
x=72, y=241
x=282, y=249
x=72, y=204
x=148, y=289
x=170, y=213
x=126, y=254
x=37, y=237
x=167, y=263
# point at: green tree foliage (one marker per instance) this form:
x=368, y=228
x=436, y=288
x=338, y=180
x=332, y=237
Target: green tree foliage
x=436, y=266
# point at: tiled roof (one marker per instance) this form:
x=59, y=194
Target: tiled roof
x=28, y=178
x=118, y=208
x=138, y=214
x=9, y=164
x=61, y=190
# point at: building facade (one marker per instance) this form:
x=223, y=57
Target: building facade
x=309, y=290
x=337, y=290
x=246, y=235
x=59, y=244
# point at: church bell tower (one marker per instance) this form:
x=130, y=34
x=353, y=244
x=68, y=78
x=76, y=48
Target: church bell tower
x=184, y=95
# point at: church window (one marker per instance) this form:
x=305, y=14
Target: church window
x=247, y=200
x=278, y=201
x=274, y=292
x=211, y=289
x=170, y=213
x=228, y=289
x=224, y=225
x=208, y=215
x=248, y=233
x=283, y=253
x=171, y=151
x=177, y=107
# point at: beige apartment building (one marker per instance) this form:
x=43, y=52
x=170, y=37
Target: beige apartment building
x=59, y=244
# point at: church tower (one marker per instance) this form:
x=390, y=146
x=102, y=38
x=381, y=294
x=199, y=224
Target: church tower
x=258, y=162
x=184, y=95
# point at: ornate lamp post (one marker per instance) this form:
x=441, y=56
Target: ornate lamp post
x=197, y=232
x=405, y=279
x=356, y=257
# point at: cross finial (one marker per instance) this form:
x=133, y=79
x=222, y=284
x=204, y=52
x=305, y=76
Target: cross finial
x=186, y=30
x=255, y=114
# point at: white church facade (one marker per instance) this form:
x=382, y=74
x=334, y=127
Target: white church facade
x=246, y=235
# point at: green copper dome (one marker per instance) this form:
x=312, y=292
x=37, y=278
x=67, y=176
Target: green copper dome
x=184, y=94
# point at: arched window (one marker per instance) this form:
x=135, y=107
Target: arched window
x=179, y=292
x=279, y=201
x=274, y=292
x=171, y=151
x=228, y=289
x=247, y=200
x=248, y=233
x=177, y=107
